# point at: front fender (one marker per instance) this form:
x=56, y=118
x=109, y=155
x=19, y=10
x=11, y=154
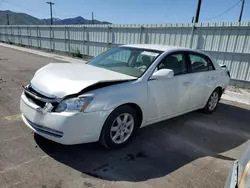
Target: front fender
x=116, y=95
x=112, y=104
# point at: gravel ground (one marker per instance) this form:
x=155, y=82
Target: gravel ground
x=238, y=89
x=193, y=150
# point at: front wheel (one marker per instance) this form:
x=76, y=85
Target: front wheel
x=119, y=127
x=212, y=102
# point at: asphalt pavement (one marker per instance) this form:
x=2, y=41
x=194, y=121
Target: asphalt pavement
x=193, y=150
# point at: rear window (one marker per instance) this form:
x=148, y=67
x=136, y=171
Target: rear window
x=200, y=63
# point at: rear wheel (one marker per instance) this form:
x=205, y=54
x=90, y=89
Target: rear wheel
x=119, y=127
x=212, y=102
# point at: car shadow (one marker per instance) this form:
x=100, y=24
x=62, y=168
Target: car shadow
x=159, y=149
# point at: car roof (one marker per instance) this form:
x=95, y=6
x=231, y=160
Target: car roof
x=165, y=48
x=168, y=48
x=159, y=47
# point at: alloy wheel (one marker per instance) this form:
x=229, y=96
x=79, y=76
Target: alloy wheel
x=213, y=101
x=122, y=128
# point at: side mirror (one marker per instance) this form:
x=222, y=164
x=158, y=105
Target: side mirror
x=162, y=74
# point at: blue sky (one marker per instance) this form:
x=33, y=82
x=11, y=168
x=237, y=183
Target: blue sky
x=131, y=11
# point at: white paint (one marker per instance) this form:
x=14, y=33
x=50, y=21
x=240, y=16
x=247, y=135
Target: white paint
x=62, y=79
x=150, y=53
x=162, y=74
x=159, y=47
x=158, y=99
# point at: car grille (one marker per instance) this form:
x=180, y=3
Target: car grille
x=35, y=101
x=45, y=130
x=40, y=103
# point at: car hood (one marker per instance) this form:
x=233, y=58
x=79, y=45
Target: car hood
x=61, y=79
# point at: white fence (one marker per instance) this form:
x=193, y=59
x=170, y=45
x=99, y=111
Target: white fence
x=228, y=43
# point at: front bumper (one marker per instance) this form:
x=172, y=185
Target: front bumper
x=66, y=127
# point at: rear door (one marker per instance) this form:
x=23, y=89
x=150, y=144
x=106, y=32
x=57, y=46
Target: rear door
x=203, y=79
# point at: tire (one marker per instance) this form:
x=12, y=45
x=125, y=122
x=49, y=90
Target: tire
x=212, y=102
x=115, y=125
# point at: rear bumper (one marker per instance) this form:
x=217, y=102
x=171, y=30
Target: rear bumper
x=66, y=127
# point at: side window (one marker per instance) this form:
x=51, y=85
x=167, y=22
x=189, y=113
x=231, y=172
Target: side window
x=200, y=63
x=176, y=62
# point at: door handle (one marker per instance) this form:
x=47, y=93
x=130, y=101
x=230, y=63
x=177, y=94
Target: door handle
x=213, y=78
x=186, y=83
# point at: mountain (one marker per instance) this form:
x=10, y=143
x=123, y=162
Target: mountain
x=16, y=18
x=79, y=20
x=47, y=21
x=76, y=20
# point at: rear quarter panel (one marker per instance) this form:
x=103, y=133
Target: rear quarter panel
x=221, y=80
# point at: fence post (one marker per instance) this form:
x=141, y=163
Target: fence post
x=10, y=34
x=83, y=39
x=6, y=36
x=40, y=37
x=192, y=36
x=211, y=47
x=50, y=38
x=228, y=37
x=86, y=40
x=1, y=34
x=68, y=35
x=28, y=36
x=18, y=35
x=21, y=38
x=237, y=36
x=141, y=33
x=53, y=37
x=37, y=35
x=220, y=40
x=65, y=38
x=109, y=39
x=244, y=46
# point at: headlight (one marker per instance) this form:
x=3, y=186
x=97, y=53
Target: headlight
x=74, y=104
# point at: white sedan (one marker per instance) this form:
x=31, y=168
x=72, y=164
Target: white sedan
x=119, y=91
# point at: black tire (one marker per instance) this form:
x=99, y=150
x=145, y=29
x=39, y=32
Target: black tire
x=105, y=138
x=207, y=108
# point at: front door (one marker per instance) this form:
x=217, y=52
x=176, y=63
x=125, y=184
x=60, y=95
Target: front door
x=170, y=96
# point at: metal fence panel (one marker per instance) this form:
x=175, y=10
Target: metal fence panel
x=45, y=32
x=25, y=41
x=228, y=42
x=45, y=43
x=24, y=31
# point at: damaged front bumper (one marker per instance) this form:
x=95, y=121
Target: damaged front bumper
x=45, y=103
x=64, y=127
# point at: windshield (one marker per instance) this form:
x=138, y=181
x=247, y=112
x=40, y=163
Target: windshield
x=125, y=60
